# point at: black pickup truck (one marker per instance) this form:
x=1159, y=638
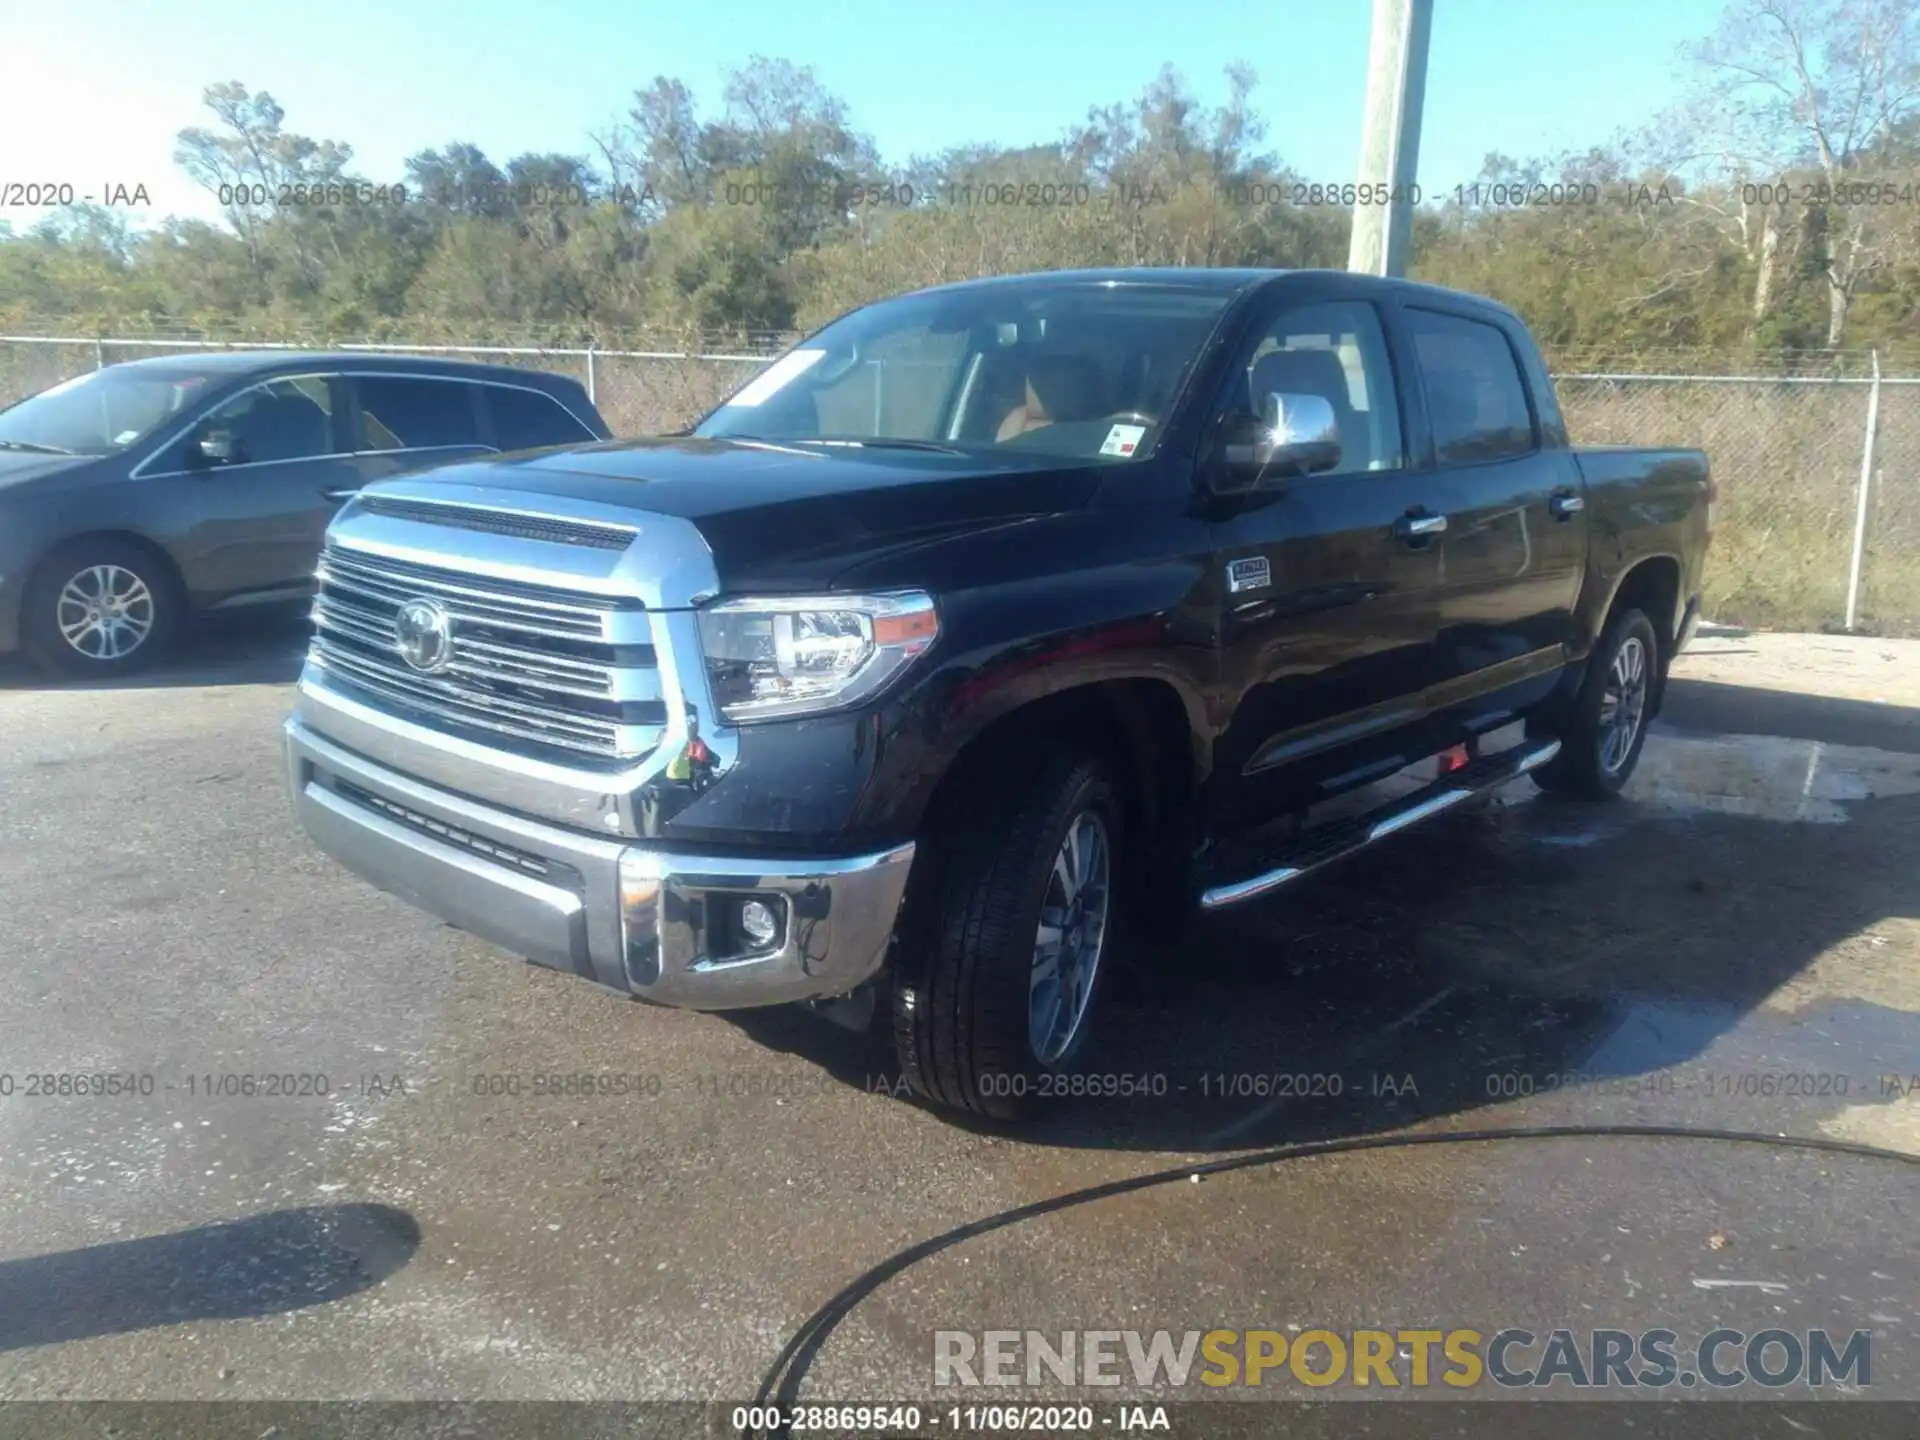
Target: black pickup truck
x=989, y=630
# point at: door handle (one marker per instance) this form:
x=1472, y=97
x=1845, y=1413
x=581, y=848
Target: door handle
x=345, y=494
x=1417, y=525
x=1565, y=504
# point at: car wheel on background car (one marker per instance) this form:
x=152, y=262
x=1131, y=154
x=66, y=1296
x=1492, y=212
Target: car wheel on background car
x=100, y=607
x=1603, y=730
x=1015, y=940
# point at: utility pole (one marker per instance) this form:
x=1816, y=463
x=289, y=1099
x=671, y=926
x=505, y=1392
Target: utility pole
x=1390, y=137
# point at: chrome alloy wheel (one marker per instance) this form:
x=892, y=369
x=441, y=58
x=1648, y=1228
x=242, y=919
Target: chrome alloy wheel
x=1623, y=704
x=105, y=612
x=1072, y=934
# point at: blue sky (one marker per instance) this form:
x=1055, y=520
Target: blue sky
x=96, y=89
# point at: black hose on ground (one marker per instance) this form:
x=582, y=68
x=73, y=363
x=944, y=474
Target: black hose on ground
x=781, y=1386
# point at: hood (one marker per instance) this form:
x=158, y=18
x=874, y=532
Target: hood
x=790, y=517
x=17, y=467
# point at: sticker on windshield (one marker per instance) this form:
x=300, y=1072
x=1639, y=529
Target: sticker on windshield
x=1122, y=440
x=126, y=437
x=776, y=376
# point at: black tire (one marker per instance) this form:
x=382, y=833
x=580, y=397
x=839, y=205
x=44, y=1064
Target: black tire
x=960, y=1005
x=1594, y=762
x=155, y=606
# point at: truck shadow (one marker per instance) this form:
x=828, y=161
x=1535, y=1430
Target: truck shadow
x=265, y=1264
x=1488, y=958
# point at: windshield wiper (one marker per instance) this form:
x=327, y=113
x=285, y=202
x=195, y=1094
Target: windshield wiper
x=35, y=449
x=888, y=443
x=835, y=443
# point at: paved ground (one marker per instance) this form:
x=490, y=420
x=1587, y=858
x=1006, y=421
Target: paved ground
x=1737, y=944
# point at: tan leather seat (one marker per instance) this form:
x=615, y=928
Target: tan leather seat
x=1060, y=390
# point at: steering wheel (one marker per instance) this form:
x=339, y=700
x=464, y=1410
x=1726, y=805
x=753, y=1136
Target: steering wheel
x=1130, y=417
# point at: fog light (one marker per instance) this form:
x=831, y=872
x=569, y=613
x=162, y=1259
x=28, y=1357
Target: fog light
x=758, y=922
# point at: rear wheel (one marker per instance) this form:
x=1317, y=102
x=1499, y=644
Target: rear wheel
x=1015, y=941
x=1603, y=730
x=100, y=607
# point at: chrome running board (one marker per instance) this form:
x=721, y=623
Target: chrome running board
x=1341, y=838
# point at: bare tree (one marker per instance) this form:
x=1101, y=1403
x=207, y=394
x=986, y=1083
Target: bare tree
x=1809, y=95
x=654, y=152
x=250, y=164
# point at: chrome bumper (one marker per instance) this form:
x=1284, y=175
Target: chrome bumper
x=632, y=917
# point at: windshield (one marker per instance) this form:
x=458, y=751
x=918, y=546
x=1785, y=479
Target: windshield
x=99, y=413
x=1068, y=368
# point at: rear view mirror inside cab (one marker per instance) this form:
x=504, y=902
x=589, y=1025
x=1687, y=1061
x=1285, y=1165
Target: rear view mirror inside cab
x=836, y=367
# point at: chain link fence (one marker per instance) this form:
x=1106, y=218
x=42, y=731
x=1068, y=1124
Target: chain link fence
x=1789, y=455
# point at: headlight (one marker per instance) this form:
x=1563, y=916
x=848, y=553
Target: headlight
x=801, y=656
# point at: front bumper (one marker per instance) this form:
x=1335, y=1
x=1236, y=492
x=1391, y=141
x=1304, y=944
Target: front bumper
x=632, y=917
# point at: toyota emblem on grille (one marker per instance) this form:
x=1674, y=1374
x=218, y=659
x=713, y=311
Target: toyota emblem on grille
x=424, y=633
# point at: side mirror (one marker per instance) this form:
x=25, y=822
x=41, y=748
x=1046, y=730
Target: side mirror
x=211, y=447
x=1293, y=435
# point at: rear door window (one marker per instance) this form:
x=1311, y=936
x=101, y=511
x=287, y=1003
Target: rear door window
x=407, y=412
x=1475, y=396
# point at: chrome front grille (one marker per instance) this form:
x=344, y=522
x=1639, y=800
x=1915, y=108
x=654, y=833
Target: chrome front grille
x=532, y=610
x=536, y=669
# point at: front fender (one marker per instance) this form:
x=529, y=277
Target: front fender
x=1120, y=594
x=998, y=666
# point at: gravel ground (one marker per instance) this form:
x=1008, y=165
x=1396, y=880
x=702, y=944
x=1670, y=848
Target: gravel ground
x=1735, y=944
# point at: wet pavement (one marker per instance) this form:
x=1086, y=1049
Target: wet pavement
x=387, y=1210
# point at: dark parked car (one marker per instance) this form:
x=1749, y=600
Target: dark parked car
x=986, y=630
x=135, y=495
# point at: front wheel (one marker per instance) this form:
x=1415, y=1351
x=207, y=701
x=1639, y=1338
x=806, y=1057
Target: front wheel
x=1603, y=730
x=100, y=608
x=1016, y=945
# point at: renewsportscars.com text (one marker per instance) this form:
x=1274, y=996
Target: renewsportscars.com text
x=1395, y=1358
